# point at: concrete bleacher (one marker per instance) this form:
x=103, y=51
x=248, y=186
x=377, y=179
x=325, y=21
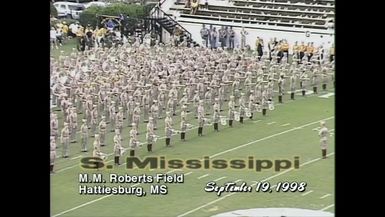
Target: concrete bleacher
x=293, y=20
x=312, y=14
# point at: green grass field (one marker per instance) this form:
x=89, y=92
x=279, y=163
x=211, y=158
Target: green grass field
x=286, y=132
x=64, y=50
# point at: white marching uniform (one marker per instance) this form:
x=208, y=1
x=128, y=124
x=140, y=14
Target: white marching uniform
x=323, y=133
x=53, y=152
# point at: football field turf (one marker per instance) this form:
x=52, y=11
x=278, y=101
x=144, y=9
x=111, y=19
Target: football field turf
x=288, y=131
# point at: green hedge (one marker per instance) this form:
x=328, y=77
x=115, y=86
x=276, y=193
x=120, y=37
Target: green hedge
x=53, y=10
x=68, y=21
x=131, y=10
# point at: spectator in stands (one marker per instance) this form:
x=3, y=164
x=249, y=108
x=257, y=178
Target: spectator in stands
x=194, y=6
x=222, y=37
x=231, y=34
x=205, y=35
x=243, y=38
x=213, y=38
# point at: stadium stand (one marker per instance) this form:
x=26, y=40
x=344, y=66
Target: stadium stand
x=295, y=13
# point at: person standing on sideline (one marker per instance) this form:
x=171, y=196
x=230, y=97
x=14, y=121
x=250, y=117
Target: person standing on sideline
x=205, y=35
x=231, y=35
x=213, y=38
x=243, y=38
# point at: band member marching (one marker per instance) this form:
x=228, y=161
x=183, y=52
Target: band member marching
x=323, y=133
x=84, y=136
x=292, y=85
x=231, y=110
x=65, y=134
x=281, y=90
x=216, y=116
x=150, y=135
x=242, y=107
x=201, y=116
x=102, y=130
x=118, y=149
x=168, y=128
x=133, y=145
x=183, y=123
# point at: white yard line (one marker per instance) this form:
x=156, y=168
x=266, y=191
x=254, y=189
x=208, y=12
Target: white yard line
x=80, y=206
x=85, y=204
x=326, y=96
x=325, y=208
x=173, y=171
x=201, y=177
x=228, y=195
x=188, y=173
x=306, y=193
x=215, y=155
x=268, y=137
x=238, y=180
x=77, y=157
x=283, y=125
x=326, y=195
x=219, y=178
x=271, y=123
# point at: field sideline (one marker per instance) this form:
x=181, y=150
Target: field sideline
x=288, y=131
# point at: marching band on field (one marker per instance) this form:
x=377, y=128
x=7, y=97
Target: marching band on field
x=104, y=88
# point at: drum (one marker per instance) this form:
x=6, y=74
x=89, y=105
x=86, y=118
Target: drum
x=247, y=112
x=271, y=106
x=223, y=121
x=236, y=116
